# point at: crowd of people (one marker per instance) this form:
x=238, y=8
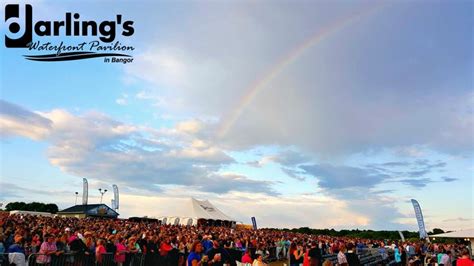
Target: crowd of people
x=92, y=241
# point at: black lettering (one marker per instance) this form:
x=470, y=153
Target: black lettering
x=57, y=26
x=76, y=25
x=94, y=44
x=68, y=24
x=86, y=24
x=43, y=28
x=107, y=30
x=128, y=29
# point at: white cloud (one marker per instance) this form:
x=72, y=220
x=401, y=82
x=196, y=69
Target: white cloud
x=184, y=160
x=97, y=146
x=123, y=100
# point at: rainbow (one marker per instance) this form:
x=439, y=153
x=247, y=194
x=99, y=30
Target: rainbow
x=259, y=84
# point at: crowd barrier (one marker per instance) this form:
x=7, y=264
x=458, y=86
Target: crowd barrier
x=366, y=256
x=69, y=259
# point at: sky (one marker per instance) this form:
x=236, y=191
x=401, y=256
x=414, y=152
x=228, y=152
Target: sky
x=326, y=114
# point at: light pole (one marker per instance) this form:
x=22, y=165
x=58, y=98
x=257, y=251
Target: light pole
x=102, y=192
x=77, y=193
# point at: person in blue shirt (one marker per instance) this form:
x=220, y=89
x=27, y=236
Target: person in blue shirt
x=17, y=247
x=398, y=256
x=2, y=250
x=194, y=257
x=206, y=244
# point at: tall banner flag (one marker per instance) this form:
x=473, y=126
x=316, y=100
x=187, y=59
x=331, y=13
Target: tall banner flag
x=254, y=223
x=419, y=219
x=112, y=204
x=116, y=197
x=85, y=191
x=401, y=236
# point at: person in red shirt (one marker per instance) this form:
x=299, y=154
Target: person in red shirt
x=246, y=257
x=464, y=260
x=121, y=250
x=165, y=247
x=306, y=257
x=99, y=251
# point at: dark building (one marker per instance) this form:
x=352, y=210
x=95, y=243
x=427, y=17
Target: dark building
x=90, y=210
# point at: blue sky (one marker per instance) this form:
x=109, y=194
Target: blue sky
x=376, y=112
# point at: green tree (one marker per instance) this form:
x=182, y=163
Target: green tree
x=32, y=206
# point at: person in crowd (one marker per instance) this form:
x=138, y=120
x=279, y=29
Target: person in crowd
x=446, y=259
x=286, y=248
x=120, y=250
x=296, y=254
x=16, y=251
x=314, y=254
x=306, y=256
x=441, y=253
x=48, y=248
x=218, y=255
x=352, y=258
x=341, y=256
x=280, y=248
x=17, y=246
x=327, y=263
x=403, y=256
x=100, y=251
x=2, y=249
x=35, y=243
x=259, y=261
x=133, y=248
x=465, y=260
x=61, y=249
x=397, y=255
x=110, y=246
x=246, y=258
x=206, y=243
x=165, y=248
x=410, y=250
x=194, y=257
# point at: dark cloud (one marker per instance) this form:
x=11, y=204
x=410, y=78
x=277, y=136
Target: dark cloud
x=395, y=164
x=226, y=183
x=416, y=182
x=417, y=173
x=291, y=158
x=337, y=177
x=256, y=164
x=295, y=174
x=417, y=168
x=382, y=191
x=13, y=191
x=16, y=120
x=22, y=115
x=449, y=179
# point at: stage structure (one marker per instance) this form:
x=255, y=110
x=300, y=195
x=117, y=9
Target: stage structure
x=199, y=212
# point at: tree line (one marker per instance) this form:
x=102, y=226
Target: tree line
x=32, y=206
x=356, y=233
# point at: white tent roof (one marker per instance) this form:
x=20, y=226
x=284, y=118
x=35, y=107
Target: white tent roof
x=203, y=209
x=468, y=233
